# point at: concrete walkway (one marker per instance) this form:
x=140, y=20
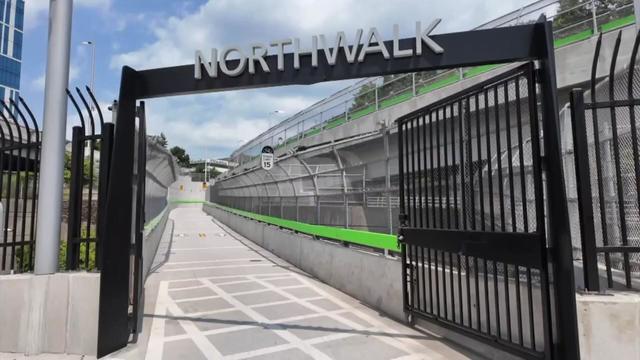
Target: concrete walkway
x=216, y=295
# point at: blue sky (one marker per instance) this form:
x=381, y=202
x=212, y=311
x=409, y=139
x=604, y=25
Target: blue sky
x=153, y=33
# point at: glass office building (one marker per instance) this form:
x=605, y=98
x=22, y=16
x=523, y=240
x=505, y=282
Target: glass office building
x=11, y=33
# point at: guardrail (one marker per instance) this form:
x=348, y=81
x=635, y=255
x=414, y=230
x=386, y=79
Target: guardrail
x=349, y=236
x=572, y=24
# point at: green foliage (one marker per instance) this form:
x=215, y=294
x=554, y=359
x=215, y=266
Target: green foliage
x=181, y=155
x=86, y=169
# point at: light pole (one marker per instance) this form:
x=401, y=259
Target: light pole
x=274, y=112
x=93, y=67
x=206, y=167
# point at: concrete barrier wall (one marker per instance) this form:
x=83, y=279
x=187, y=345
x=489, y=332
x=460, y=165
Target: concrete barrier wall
x=152, y=237
x=49, y=313
x=371, y=278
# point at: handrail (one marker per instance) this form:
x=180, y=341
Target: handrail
x=339, y=108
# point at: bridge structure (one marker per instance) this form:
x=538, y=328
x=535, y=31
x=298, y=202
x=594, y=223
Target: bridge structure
x=428, y=212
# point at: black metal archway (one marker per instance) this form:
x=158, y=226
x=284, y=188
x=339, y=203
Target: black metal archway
x=531, y=42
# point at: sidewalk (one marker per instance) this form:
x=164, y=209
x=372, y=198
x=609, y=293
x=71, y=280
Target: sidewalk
x=216, y=295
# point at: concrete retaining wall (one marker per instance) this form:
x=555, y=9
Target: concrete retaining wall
x=49, y=313
x=371, y=278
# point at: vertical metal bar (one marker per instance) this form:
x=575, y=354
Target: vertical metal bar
x=596, y=143
x=496, y=298
x=594, y=21
x=479, y=166
x=420, y=173
x=7, y=209
x=632, y=115
x=465, y=159
x=532, y=332
x=27, y=145
x=402, y=216
x=424, y=282
x=499, y=156
x=414, y=211
x=432, y=169
x=559, y=230
x=439, y=168
x=583, y=189
x=430, y=281
x=523, y=175
x=446, y=120
x=507, y=300
x=616, y=160
x=512, y=195
x=445, y=302
x=489, y=174
x=425, y=172
x=437, y=276
x=36, y=169
x=519, y=306
x=486, y=297
x=106, y=148
x=477, y=288
x=454, y=181
x=75, y=198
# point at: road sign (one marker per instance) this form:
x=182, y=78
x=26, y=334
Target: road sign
x=267, y=161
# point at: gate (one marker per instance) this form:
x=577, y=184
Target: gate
x=85, y=223
x=122, y=307
x=472, y=222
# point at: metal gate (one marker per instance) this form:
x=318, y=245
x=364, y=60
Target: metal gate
x=121, y=307
x=474, y=249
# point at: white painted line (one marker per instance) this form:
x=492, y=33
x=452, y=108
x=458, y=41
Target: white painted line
x=197, y=299
x=210, y=261
x=215, y=267
x=187, y=288
x=156, y=334
x=209, y=248
x=294, y=340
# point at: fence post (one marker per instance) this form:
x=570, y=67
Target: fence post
x=413, y=84
x=106, y=147
x=376, y=93
x=583, y=189
x=75, y=199
x=594, y=20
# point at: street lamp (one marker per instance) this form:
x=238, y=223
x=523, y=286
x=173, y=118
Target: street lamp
x=93, y=67
x=274, y=112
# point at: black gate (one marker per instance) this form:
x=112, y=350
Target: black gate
x=474, y=245
x=90, y=163
x=122, y=307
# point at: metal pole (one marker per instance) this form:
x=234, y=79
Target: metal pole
x=53, y=137
x=593, y=15
x=636, y=12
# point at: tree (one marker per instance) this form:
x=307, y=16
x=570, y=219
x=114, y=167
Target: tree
x=162, y=140
x=181, y=155
x=159, y=139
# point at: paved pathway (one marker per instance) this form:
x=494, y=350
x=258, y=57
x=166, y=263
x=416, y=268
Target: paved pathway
x=216, y=295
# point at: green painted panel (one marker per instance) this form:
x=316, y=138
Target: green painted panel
x=440, y=83
x=479, y=70
x=612, y=25
x=335, y=123
x=402, y=97
x=362, y=112
x=583, y=35
x=367, y=238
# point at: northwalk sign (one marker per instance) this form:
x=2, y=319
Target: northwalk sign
x=357, y=51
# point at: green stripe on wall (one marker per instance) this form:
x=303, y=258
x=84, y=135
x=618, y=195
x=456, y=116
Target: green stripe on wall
x=366, y=238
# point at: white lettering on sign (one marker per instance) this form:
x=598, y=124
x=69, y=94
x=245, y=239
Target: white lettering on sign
x=373, y=43
x=267, y=161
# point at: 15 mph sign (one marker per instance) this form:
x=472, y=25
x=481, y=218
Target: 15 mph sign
x=267, y=158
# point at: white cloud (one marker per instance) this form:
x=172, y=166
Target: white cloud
x=199, y=123
x=221, y=23
x=36, y=10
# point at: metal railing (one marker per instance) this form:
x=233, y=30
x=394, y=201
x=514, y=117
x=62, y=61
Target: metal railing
x=607, y=173
x=91, y=148
x=369, y=95
x=20, y=143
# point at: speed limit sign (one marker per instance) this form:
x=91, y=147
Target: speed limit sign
x=266, y=159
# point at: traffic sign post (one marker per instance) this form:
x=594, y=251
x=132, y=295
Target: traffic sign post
x=267, y=158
